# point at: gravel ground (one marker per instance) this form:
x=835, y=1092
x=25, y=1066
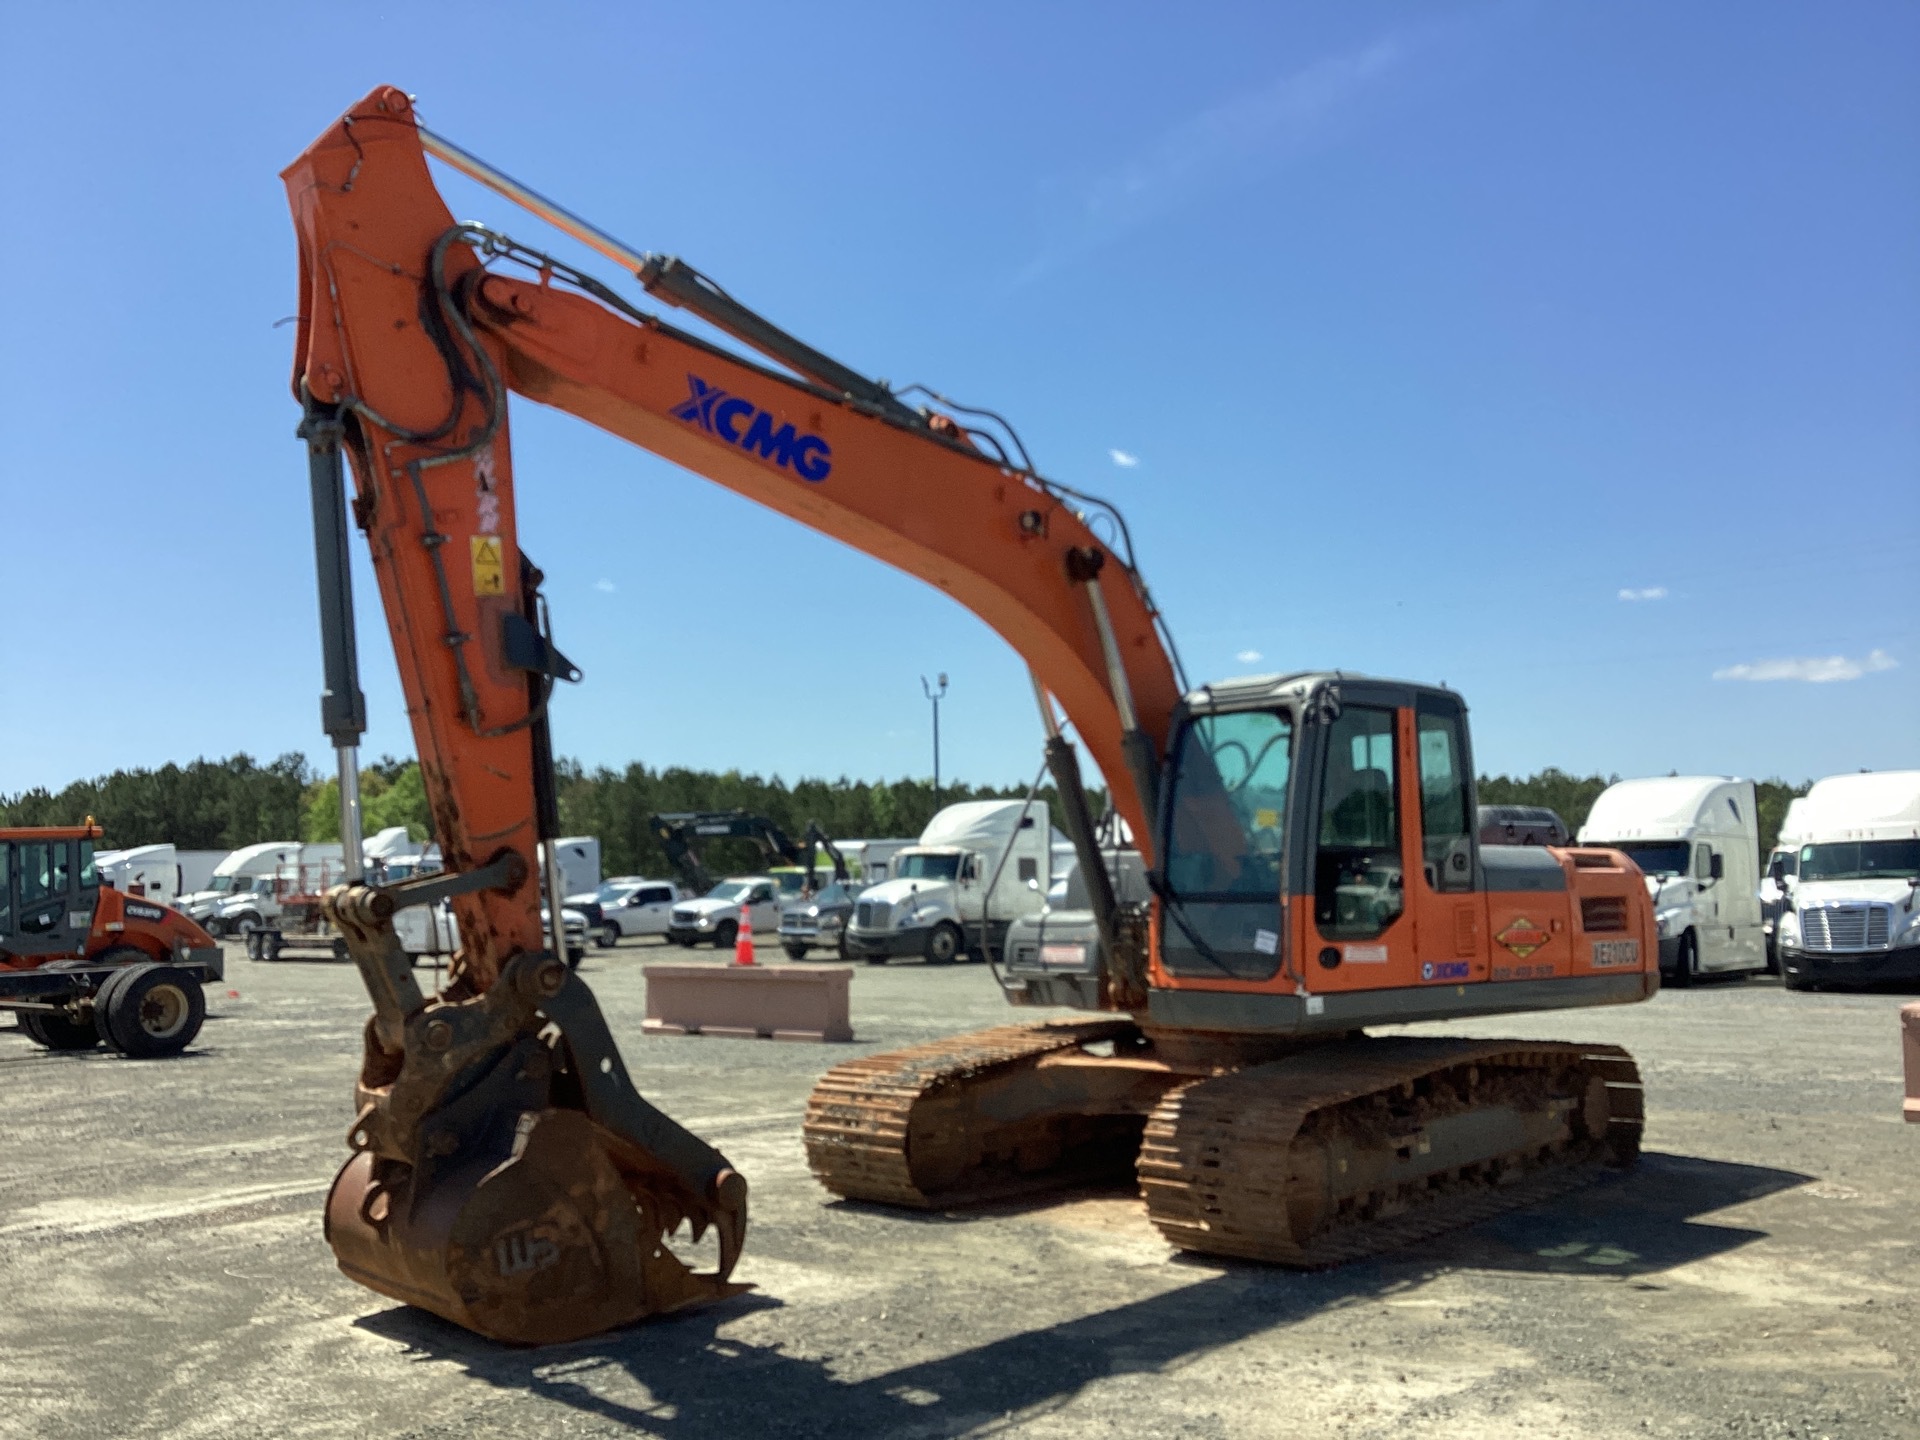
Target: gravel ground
x=164, y=1274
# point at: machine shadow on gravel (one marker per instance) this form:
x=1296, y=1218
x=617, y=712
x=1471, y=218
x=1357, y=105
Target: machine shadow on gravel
x=702, y=1383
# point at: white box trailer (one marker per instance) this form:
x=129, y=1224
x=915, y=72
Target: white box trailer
x=1852, y=916
x=196, y=868
x=1697, y=839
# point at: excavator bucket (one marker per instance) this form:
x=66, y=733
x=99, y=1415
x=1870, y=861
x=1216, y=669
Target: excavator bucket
x=506, y=1173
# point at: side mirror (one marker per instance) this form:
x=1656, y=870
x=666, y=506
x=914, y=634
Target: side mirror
x=1717, y=867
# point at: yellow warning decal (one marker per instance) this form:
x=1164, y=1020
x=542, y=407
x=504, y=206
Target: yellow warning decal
x=489, y=574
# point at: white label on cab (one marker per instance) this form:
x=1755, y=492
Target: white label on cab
x=1364, y=954
x=1267, y=942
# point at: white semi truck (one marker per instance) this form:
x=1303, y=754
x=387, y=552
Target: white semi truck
x=1851, y=916
x=151, y=872
x=1779, y=874
x=1697, y=839
x=977, y=866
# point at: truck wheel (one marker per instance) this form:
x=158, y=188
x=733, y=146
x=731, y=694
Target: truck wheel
x=943, y=943
x=606, y=937
x=795, y=952
x=575, y=954
x=214, y=926
x=245, y=922
x=150, y=1010
x=57, y=1032
x=725, y=933
x=1685, y=964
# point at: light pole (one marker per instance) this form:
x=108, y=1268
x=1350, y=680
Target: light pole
x=933, y=696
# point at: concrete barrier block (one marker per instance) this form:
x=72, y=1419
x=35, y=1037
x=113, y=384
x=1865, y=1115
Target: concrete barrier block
x=772, y=1002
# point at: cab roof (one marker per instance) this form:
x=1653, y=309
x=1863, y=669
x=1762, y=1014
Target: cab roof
x=50, y=832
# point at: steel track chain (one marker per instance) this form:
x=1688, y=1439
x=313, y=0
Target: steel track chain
x=862, y=1131
x=1215, y=1165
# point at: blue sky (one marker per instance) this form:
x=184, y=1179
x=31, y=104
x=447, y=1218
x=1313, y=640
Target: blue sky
x=1567, y=353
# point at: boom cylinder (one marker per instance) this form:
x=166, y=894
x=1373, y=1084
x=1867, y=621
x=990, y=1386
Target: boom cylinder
x=343, y=708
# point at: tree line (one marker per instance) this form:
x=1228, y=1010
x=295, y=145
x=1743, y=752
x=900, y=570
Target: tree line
x=224, y=804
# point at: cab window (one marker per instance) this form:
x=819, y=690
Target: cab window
x=6, y=889
x=36, y=872
x=62, y=867
x=1358, y=885
x=1446, y=841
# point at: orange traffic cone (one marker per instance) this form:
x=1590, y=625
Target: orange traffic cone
x=743, y=940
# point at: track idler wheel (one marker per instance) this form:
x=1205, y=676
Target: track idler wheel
x=549, y=1245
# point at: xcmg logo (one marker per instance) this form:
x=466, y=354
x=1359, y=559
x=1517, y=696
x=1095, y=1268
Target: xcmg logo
x=744, y=424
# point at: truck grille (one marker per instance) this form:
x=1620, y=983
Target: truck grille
x=1603, y=912
x=872, y=914
x=684, y=917
x=1846, y=927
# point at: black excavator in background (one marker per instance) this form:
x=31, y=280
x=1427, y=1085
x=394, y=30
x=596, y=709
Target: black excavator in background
x=678, y=834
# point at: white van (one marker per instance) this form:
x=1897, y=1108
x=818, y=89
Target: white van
x=1851, y=917
x=1697, y=838
x=985, y=860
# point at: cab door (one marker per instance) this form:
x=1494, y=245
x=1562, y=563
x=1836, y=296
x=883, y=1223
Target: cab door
x=54, y=890
x=1450, y=910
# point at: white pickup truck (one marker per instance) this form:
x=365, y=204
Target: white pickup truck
x=715, y=916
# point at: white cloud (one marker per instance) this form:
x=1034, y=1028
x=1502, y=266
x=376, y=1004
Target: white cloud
x=1652, y=592
x=1814, y=669
x=1247, y=657
x=605, y=587
x=1227, y=144
x=1123, y=459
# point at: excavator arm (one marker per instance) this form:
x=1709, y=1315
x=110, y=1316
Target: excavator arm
x=677, y=833
x=506, y=1172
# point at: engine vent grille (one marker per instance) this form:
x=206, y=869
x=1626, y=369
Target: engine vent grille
x=872, y=914
x=1603, y=912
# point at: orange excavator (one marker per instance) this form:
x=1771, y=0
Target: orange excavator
x=1313, y=863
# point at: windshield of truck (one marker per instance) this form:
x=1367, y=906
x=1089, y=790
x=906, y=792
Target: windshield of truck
x=1861, y=860
x=1664, y=858
x=926, y=867
x=613, y=892
x=221, y=884
x=1787, y=860
x=735, y=892
x=792, y=882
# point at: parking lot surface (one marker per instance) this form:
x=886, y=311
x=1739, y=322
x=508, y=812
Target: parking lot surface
x=164, y=1272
